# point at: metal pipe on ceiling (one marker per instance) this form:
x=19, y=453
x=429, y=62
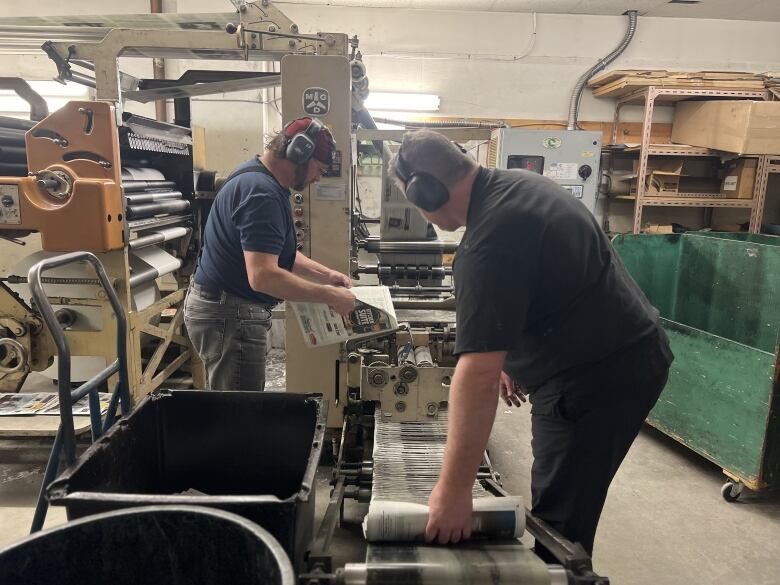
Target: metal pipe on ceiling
x=158, y=66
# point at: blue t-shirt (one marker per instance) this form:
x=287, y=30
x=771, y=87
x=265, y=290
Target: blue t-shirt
x=252, y=213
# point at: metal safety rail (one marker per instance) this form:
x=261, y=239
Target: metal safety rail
x=66, y=435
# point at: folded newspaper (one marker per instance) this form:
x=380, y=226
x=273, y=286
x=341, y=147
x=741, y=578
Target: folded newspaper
x=373, y=314
x=13, y=404
x=497, y=518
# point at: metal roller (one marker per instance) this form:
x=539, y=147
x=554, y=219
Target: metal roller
x=151, y=197
x=158, y=237
x=467, y=564
x=13, y=170
x=156, y=223
x=150, y=209
x=405, y=271
x=406, y=355
x=420, y=290
x=13, y=154
x=16, y=123
x=135, y=186
x=376, y=246
x=422, y=355
x=10, y=137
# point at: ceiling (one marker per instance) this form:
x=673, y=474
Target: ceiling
x=762, y=10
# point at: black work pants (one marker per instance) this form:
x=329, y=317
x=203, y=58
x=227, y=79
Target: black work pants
x=583, y=422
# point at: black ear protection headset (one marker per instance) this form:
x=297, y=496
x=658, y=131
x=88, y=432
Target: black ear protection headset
x=421, y=188
x=301, y=146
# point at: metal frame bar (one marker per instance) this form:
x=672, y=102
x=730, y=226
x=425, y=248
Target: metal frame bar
x=571, y=555
x=759, y=194
x=649, y=95
x=279, y=38
x=464, y=134
x=66, y=436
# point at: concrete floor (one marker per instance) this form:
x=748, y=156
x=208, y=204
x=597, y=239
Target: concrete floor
x=664, y=522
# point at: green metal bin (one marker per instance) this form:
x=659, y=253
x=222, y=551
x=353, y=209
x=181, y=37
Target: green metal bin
x=719, y=298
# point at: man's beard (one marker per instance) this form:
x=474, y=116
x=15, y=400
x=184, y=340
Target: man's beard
x=299, y=180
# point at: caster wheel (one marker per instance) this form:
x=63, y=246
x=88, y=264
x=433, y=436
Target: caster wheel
x=731, y=491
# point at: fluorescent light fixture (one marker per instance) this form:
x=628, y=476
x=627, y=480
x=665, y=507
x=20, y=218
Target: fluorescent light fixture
x=55, y=94
x=406, y=102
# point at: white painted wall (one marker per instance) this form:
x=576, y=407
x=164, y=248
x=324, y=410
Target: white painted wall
x=467, y=58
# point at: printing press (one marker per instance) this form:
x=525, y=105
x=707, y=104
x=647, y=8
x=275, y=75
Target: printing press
x=126, y=187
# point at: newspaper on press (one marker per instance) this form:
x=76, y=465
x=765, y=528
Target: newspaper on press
x=18, y=404
x=373, y=314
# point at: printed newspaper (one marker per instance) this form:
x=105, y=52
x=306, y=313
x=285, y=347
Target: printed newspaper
x=16, y=404
x=373, y=314
x=498, y=518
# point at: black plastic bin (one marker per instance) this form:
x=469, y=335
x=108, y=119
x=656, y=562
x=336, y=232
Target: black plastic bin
x=251, y=453
x=155, y=545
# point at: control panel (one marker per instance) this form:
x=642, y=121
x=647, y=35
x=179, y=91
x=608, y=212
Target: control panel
x=570, y=158
x=10, y=211
x=299, y=221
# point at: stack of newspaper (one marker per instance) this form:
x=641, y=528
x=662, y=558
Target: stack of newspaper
x=12, y=404
x=407, y=459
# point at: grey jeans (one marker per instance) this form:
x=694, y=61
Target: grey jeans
x=229, y=333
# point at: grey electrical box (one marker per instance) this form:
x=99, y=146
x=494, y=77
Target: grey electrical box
x=571, y=158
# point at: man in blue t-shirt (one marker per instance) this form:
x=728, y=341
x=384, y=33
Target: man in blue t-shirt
x=249, y=261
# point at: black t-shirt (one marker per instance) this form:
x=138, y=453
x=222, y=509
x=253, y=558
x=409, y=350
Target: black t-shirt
x=536, y=276
x=252, y=213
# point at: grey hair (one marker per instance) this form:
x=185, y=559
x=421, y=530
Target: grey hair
x=430, y=152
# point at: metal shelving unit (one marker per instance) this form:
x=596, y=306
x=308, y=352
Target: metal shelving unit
x=651, y=95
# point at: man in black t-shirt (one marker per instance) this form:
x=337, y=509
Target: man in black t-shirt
x=249, y=261
x=544, y=308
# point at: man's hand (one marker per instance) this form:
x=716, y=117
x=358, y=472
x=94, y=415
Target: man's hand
x=449, y=516
x=341, y=300
x=336, y=278
x=510, y=391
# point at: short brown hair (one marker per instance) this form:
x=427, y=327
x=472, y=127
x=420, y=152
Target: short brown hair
x=430, y=152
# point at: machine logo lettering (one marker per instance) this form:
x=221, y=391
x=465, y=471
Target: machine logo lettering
x=316, y=101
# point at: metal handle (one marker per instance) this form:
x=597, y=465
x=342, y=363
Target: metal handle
x=66, y=396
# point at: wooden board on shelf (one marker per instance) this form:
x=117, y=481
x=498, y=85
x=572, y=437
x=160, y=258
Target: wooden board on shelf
x=627, y=131
x=627, y=86
x=615, y=74
x=630, y=132
x=622, y=82
x=675, y=150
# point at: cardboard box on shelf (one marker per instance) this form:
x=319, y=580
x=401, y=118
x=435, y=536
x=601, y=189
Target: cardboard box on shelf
x=662, y=178
x=740, y=126
x=739, y=177
x=659, y=228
